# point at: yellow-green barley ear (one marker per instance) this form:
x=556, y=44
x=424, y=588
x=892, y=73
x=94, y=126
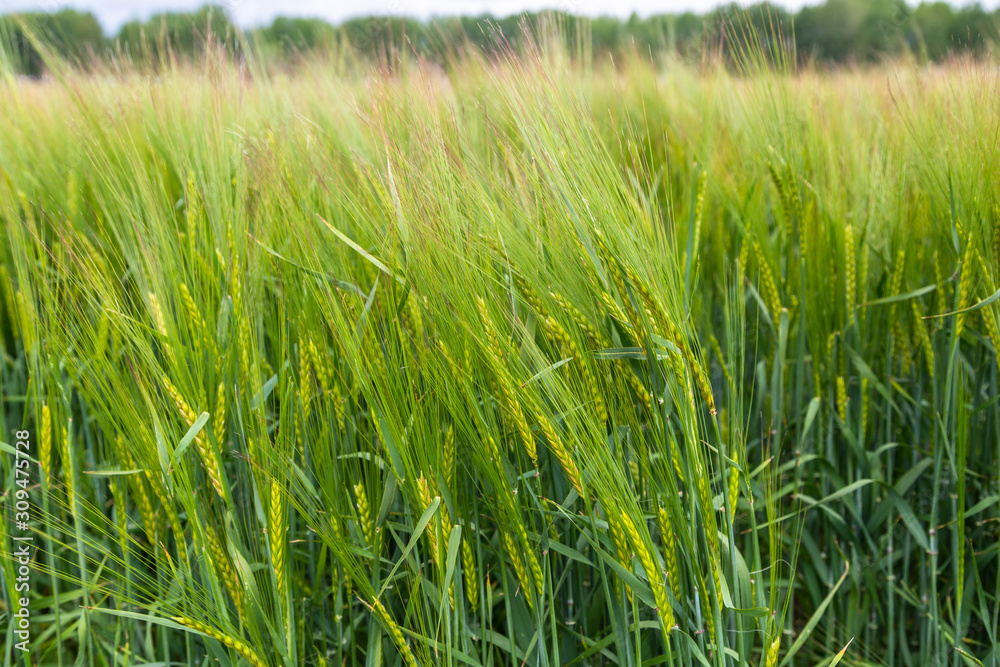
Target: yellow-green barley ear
x=10, y=301
x=382, y=614
x=26, y=318
x=276, y=536
x=965, y=285
x=229, y=641
x=841, y=398
x=560, y=451
x=448, y=456
x=423, y=488
x=191, y=311
x=208, y=457
x=851, y=272
x=365, y=517
x=219, y=558
x=514, y=553
x=45, y=443
x=923, y=337
x=469, y=570
x=669, y=543
x=569, y=347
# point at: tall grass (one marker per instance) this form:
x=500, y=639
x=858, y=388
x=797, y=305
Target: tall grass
x=517, y=362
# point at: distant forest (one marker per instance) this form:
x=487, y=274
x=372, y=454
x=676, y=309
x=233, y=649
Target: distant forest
x=837, y=31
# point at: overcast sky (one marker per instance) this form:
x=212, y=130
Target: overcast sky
x=250, y=13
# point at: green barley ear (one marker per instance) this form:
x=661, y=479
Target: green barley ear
x=431, y=531
x=448, y=456
x=940, y=278
x=323, y=375
x=624, y=558
x=159, y=320
x=191, y=310
x=394, y=631
x=669, y=543
x=771, y=658
x=228, y=641
x=208, y=457
x=923, y=337
x=66, y=452
x=514, y=553
x=305, y=379
x=569, y=347
x=992, y=329
x=529, y=294
x=491, y=335
x=219, y=424
x=717, y=351
x=768, y=286
x=699, y=207
x=532, y=558
x=841, y=398
x=578, y=319
x=45, y=443
x=365, y=514
x=734, y=491
x=26, y=318
x=653, y=573
x=469, y=570
x=276, y=537
x=866, y=402
x=559, y=450
x=965, y=285
x=851, y=271
x=224, y=567
x=10, y=300
x=779, y=185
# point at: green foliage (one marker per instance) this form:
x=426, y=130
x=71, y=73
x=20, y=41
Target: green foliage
x=836, y=31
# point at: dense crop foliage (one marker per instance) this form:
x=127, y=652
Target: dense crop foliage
x=518, y=362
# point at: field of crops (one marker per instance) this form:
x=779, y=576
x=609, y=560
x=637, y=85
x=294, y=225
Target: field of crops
x=516, y=362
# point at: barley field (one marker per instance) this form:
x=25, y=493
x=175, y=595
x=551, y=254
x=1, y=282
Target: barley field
x=524, y=360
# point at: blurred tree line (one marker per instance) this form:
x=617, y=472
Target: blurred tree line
x=836, y=31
